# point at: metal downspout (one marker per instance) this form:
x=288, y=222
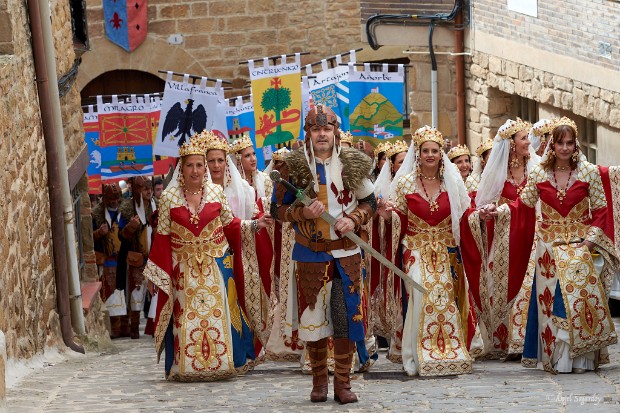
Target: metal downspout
x=460, y=77
x=55, y=173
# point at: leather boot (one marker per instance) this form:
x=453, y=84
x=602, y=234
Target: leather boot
x=343, y=356
x=317, y=351
x=115, y=327
x=134, y=324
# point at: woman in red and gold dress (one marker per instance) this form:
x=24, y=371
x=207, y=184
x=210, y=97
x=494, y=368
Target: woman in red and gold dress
x=568, y=326
x=199, y=321
x=429, y=200
x=491, y=261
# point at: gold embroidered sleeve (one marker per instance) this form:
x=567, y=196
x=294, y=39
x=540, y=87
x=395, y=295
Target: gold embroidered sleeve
x=597, y=193
x=163, y=218
x=404, y=186
x=226, y=214
x=530, y=193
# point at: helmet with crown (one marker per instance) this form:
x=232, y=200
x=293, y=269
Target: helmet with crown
x=240, y=144
x=396, y=147
x=428, y=134
x=346, y=137
x=196, y=145
x=484, y=146
x=280, y=154
x=212, y=141
x=510, y=127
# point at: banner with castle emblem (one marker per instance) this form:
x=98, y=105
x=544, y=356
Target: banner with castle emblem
x=125, y=22
x=330, y=87
x=376, y=103
x=125, y=139
x=240, y=120
x=91, y=137
x=277, y=101
x=188, y=109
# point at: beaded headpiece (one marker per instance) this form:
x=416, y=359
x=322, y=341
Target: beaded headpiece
x=212, y=141
x=382, y=147
x=542, y=126
x=457, y=151
x=346, y=137
x=195, y=145
x=396, y=147
x=513, y=126
x=426, y=134
x=241, y=143
x=566, y=122
x=320, y=115
x=280, y=154
x=484, y=146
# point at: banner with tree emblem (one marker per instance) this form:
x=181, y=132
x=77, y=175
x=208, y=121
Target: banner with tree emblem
x=330, y=87
x=91, y=136
x=125, y=139
x=376, y=102
x=125, y=22
x=240, y=119
x=186, y=109
x=277, y=101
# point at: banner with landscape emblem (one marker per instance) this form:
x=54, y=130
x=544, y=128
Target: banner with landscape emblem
x=376, y=102
x=186, y=109
x=125, y=139
x=277, y=101
x=91, y=137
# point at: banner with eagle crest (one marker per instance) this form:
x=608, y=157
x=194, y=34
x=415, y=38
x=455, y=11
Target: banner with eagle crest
x=277, y=101
x=188, y=109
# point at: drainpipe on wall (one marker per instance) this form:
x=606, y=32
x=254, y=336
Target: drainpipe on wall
x=40, y=26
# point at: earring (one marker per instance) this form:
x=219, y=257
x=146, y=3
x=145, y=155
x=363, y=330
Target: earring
x=513, y=147
x=418, y=168
x=441, y=169
x=575, y=156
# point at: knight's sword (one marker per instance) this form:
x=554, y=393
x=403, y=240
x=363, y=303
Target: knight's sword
x=306, y=200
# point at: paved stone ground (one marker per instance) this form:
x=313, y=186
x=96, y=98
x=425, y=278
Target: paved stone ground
x=128, y=380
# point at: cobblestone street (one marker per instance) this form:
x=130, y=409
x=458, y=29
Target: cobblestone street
x=128, y=380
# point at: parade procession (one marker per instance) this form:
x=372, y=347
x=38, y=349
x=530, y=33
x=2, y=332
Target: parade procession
x=237, y=206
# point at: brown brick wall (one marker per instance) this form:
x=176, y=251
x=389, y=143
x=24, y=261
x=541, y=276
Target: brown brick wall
x=569, y=27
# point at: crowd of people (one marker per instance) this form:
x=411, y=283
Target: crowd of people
x=514, y=254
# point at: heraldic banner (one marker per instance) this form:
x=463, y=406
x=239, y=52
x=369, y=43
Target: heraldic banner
x=277, y=101
x=91, y=136
x=125, y=138
x=125, y=22
x=187, y=109
x=240, y=120
x=330, y=87
x=376, y=101
x=161, y=164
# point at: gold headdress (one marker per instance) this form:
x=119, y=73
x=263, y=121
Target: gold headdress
x=513, y=126
x=241, y=143
x=484, y=146
x=426, y=134
x=396, y=147
x=346, y=137
x=542, y=127
x=280, y=154
x=212, y=141
x=564, y=121
x=457, y=151
x=382, y=147
x=196, y=145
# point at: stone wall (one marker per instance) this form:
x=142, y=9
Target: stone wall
x=490, y=80
x=218, y=34
x=29, y=319
x=566, y=27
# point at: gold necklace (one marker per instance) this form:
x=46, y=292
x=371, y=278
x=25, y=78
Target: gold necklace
x=186, y=191
x=561, y=192
x=432, y=204
x=430, y=178
x=562, y=168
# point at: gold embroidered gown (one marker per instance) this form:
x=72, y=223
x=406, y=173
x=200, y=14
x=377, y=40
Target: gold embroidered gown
x=433, y=342
x=199, y=320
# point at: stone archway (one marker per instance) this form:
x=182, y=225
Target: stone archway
x=153, y=55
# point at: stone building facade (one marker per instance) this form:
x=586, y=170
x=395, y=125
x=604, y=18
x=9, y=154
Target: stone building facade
x=549, y=59
x=29, y=321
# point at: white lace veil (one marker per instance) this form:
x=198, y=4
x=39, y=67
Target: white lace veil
x=457, y=193
x=383, y=181
x=495, y=171
x=238, y=191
